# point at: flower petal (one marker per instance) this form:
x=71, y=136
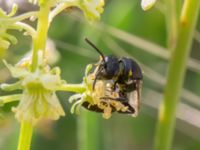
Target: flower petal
x=17, y=72
x=49, y=81
x=38, y=104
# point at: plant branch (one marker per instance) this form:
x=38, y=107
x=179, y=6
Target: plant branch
x=39, y=42
x=10, y=98
x=171, y=21
x=30, y=30
x=177, y=67
x=25, y=16
x=78, y=88
x=59, y=9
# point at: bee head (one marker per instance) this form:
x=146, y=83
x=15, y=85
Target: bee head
x=108, y=67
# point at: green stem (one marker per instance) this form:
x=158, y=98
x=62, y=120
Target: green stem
x=30, y=30
x=11, y=87
x=88, y=131
x=78, y=88
x=39, y=42
x=171, y=20
x=20, y=17
x=59, y=9
x=25, y=136
x=24, y=16
x=177, y=67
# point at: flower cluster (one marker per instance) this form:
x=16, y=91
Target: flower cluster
x=7, y=23
x=39, y=100
x=100, y=99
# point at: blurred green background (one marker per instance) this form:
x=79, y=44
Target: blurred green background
x=124, y=30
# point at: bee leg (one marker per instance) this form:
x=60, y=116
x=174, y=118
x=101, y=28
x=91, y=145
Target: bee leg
x=121, y=99
x=115, y=85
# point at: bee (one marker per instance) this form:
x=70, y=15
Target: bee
x=126, y=76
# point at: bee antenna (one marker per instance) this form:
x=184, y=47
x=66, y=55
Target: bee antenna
x=91, y=44
x=96, y=76
x=94, y=83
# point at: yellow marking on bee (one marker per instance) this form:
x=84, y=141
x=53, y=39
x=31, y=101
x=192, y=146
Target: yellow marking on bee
x=130, y=73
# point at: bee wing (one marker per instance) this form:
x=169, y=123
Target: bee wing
x=134, y=102
x=134, y=98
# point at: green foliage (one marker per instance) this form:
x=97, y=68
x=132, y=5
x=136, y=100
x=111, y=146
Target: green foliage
x=124, y=30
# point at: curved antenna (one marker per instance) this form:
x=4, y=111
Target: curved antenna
x=96, y=76
x=91, y=44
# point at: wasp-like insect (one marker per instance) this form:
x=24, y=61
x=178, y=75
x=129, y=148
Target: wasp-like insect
x=127, y=78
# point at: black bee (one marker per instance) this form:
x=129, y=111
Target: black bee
x=127, y=80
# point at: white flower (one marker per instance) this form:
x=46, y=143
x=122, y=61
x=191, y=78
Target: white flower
x=147, y=4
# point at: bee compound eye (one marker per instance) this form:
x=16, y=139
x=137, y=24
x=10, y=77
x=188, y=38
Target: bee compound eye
x=105, y=66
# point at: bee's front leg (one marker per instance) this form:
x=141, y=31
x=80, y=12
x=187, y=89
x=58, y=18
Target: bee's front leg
x=121, y=99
